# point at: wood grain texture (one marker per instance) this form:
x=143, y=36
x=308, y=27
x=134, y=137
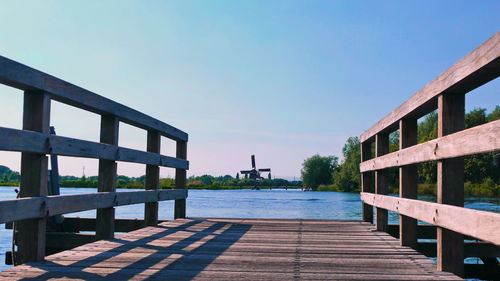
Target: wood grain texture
x=481, y=225
x=152, y=180
x=381, y=180
x=28, y=141
x=408, y=181
x=107, y=177
x=30, y=236
x=367, y=181
x=180, y=180
x=480, y=139
x=239, y=249
x=450, y=183
x=20, y=76
x=46, y=206
x=475, y=69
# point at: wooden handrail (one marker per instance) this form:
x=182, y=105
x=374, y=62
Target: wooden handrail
x=447, y=94
x=23, y=77
x=462, y=143
x=46, y=206
x=477, y=68
x=482, y=225
x=35, y=142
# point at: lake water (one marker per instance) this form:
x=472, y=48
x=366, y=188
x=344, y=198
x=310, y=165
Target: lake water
x=289, y=204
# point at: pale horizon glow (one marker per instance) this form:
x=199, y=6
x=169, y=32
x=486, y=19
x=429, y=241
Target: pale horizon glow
x=283, y=80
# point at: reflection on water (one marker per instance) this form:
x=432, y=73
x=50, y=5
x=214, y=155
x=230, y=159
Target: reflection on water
x=289, y=204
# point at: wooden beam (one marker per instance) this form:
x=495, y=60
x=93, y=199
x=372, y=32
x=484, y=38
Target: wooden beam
x=180, y=180
x=30, y=237
x=46, y=206
x=61, y=241
x=28, y=141
x=408, y=181
x=152, y=179
x=381, y=179
x=367, y=181
x=477, y=68
x=424, y=231
x=107, y=178
x=450, y=183
x=20, y=76
x=481, y=225
x=471, y=249
x=480, y=139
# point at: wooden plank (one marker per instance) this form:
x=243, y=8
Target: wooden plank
x=381, y=180
x=105, y=219
x=46, y=206
x=367, y=181
x=481, y=139
x=20, y=76
x=203, y=250
x=30, y=237
x=180, y=180
x=477, y=68
x=66, y=240
x=481, y=225
x=28, y=141
x=450, y=183
x=408, y=181
x=471, y=249
x=152, y=181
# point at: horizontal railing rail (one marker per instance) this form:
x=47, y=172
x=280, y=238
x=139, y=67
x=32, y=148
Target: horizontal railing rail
x=481, y=225
x=47, y=206
x=459, y=144
x=472, y=71
x=25, y=78
x=35, y=142
x=446, y=93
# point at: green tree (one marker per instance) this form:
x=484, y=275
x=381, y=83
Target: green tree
x=427, y=130
x=347, y=176
x=495, y=114
x=317, y=170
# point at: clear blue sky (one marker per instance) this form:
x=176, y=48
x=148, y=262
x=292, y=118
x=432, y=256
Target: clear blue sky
x=280, y=79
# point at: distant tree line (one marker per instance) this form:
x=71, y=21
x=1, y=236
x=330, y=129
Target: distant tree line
x=482, y=177
x=9, y=177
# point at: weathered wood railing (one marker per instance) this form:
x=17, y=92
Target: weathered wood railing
x=446, y=93
x=34, y=141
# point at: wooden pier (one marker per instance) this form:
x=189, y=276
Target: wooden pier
x=249, y=249
x=239, y=249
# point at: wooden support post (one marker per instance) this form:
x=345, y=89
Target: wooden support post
x=180, y=181
x=408, y=182
x=107, y=178
x=381, y=179
x=450, y=183
x=31, y=233
x=367, y=181
x=152, y=179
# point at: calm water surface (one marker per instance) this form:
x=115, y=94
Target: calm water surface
x=289, y=204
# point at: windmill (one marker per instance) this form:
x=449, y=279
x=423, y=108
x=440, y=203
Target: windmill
x=254, y=173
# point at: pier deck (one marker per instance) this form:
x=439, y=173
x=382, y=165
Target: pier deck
x=239, y=249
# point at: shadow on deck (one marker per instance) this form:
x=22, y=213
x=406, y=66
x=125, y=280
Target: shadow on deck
x=229, y=249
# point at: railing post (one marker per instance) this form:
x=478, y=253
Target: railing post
x=180, y=180
x=381, y=179
x=450, y=183
x=408, y=182
x=367, y=181
x=105, y=221
x=152, y=181
x=31, y=233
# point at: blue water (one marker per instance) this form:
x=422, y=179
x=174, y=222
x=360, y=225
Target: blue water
x=290, y=204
